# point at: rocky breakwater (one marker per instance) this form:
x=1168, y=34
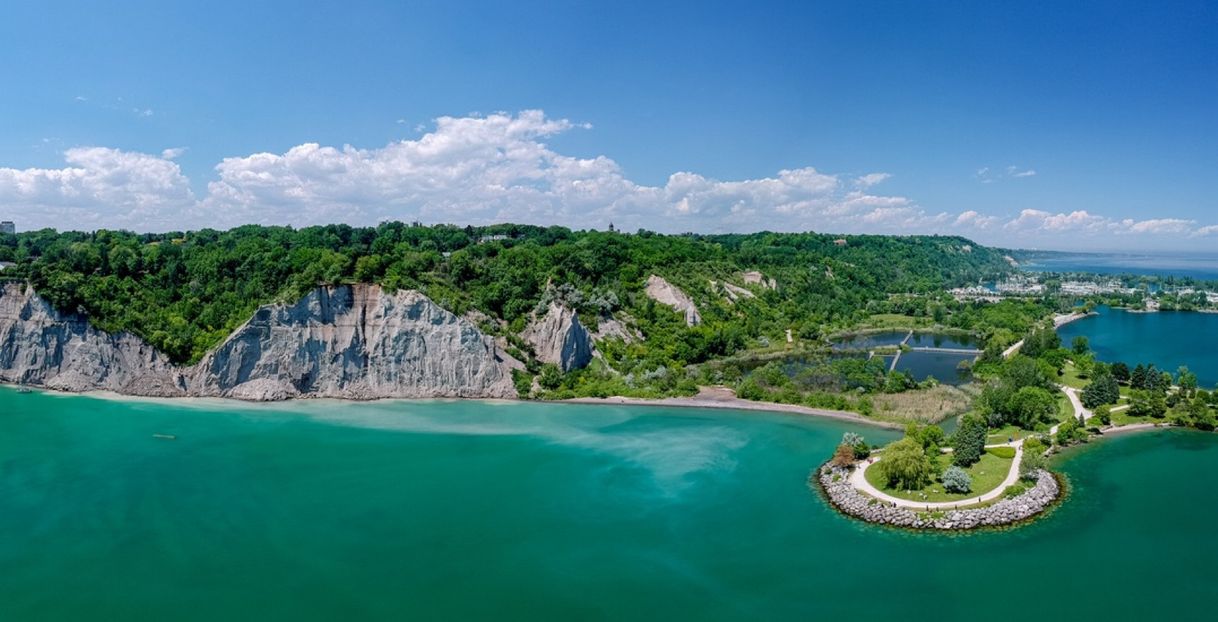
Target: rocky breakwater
x=835, y=482
x=355, y=342
x=45, y=347
x=557, y=337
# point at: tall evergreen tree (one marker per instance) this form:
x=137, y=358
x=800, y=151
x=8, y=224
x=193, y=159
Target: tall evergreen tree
x=1102, y=390
x=969, y=441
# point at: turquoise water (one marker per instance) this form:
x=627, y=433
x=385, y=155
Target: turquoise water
x=1168, y=339
x=469, y=510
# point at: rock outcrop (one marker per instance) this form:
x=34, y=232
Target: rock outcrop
x=614, y=328
x=754, y=277
x=43, y=347
x=354, y=342
x=557, y=337
x=666, y=293
x=732, y=292
x=845, y=497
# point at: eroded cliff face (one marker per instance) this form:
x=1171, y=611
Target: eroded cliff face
x=558, y=337
x=355, y=342
x=41, y=346
x=666, y=293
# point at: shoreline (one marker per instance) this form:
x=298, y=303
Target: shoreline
x=724, y=399
x=710, y=398
x=1061, y=320
x=1137, y=427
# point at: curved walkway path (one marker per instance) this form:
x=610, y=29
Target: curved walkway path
x=858, y=478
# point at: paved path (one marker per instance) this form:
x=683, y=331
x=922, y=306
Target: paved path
x=1009, y=352
x=1059, y=321
x=858, y=478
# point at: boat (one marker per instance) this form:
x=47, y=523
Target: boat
x=165, y=437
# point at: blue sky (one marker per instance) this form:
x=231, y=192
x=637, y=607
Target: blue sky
x=1023, y=124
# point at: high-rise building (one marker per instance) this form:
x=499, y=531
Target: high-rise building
x=7, y=226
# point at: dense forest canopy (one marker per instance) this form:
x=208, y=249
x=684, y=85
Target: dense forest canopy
x=185, y=291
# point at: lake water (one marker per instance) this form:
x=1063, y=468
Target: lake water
x=481, y=511
x=1202, y=266
x=1168, y=339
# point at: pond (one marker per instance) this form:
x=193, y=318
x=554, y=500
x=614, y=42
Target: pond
x=942, y=366
x=939, y=340
x=870, y=341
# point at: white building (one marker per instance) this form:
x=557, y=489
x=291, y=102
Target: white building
x=7, y=226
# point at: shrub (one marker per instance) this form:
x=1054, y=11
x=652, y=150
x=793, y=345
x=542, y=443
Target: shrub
x=1006, y=453
x=1015, y=490
x=843, y=456
x=858, y=444
x=523, y=382
x=551, y=377
x=956, y=480
x=1031, y=465
x=1103, y=414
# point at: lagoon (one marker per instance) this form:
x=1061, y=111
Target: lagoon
x=1168, y=339
x=431, y=510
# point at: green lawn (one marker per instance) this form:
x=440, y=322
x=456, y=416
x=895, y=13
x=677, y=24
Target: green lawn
x=1065, y=409
x=1004, y=434
x=1071, y=378
x=986, y=474
x=1122, y=417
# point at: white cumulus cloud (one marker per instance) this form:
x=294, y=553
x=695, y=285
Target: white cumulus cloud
x=100, y=187
x=495, y=168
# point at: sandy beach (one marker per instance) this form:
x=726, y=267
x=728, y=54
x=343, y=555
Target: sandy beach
x=723, y=397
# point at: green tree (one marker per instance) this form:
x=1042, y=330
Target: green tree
x=968, y=443
x=1138, y=377
x=1186, y=380
x=1144, y=403
x=905, y=465
x=1080, y=345
x=1103, y=389
x=1031, y=405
